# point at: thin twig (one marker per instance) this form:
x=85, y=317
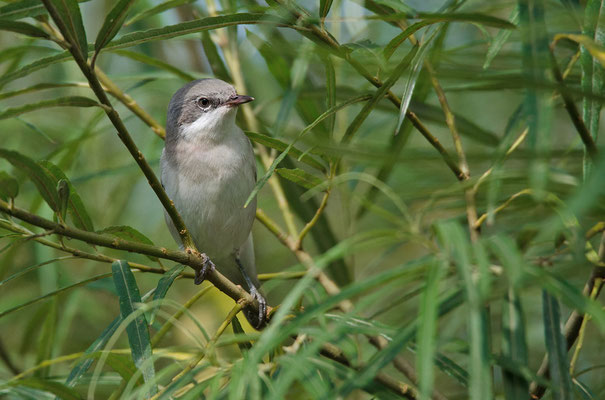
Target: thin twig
x=216, y=278
x=313, y=221
x=124, y=135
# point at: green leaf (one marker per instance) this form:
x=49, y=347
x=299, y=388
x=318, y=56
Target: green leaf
x=427, y=330
x=63, y=192
x=300, y=177
x=379, y=95
x=557, y=350
x=71, y=101
x=202, y=24
x=58, y=389
x=238, y=330
x=68, y=13
x=216, y=62
x=324, y=8
x=457, y=247
x=34, y=66
x=330, y=90
x=112, y=24
x=162, y=288
x=128, y=233
x=154, y=62
x=514, y=346
x=261, y=182
x=417, y=63
x=167, y=5
x=277, y=144
x=9, y=187
x=390, y=48
x=47, y=338
x=500, y=39
x=44, y=183
x=23, y=28
x=592, y=72
x=137, y=330
x=23, y=9
x=75, y=206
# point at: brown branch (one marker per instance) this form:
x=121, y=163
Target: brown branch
x=183, y=257
x=123, y=133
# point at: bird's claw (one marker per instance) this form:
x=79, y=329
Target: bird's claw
x=262, y=307
x=202, y=273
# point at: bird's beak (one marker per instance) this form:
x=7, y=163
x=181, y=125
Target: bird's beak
x=238, y=99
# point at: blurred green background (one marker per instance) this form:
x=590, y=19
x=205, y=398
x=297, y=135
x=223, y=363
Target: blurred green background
x=391, y=196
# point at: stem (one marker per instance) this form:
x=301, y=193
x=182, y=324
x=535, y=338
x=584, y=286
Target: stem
x=183, y=257
x=311, y=224
x=123, y=133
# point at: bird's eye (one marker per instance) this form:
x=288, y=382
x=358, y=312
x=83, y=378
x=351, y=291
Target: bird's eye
x=203, y=102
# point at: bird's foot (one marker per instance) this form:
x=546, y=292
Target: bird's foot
x=202, y=273
x=262, y=307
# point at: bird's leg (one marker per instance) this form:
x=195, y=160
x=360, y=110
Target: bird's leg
x=262, y=303
x=207, y=267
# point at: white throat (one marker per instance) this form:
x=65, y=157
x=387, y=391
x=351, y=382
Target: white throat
x=214, y=125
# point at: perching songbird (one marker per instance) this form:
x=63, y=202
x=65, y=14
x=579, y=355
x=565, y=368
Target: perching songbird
x=209, y=170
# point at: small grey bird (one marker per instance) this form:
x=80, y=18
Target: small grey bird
x=208, y=170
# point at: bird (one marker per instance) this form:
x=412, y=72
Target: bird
x=208, y=170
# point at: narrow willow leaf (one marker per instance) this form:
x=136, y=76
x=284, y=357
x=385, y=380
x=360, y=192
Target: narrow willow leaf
x=154, y=62
x=379, y=95
x=162, y=288
x=514, y=346
x=82, y=366
x=238, y=330
x=44, y=183
x=457, y=247
x=557, y=351
x=63, y=192
x=500, y=39
x=277, y=144
x=390, y=48
x=277, y=64
x=58, y=389
x=417, y=63
x=592, y=73
x=72, y=101
x=68, y=11
x=167, y=5
x=23, y=28
x=427, y=330
x=75, y=207
x=24, y=8
x=34, y=66
x=47, y=338
x=137, y=330
x=330, y=90
x=300, y=177
x=324, y=8
x=536, y=56
x=261, y=182
x=112, y=24
x=216, y=62
x=9, y=187
x=128, y=233
x=202, y=24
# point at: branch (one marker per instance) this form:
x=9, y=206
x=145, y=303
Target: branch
x=183, y=257
x=124, y=135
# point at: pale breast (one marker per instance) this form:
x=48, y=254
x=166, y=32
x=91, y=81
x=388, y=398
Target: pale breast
x=209, y=185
